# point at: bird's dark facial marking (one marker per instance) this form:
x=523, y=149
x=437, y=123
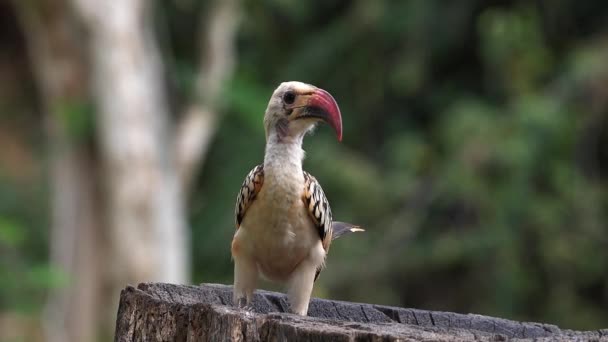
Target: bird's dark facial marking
x=315, y=112
x=282, y=127
x=288, y=111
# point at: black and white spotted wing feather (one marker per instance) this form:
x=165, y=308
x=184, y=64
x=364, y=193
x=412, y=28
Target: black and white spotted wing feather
x=318, y=208
x=319, y=211
x=249, y=190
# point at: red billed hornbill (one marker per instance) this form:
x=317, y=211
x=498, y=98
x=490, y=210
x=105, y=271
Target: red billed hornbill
x=284, y=222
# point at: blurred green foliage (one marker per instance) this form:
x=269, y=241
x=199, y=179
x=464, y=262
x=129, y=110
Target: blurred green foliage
x=474, y=153
x=466, y=151
x=25, y=272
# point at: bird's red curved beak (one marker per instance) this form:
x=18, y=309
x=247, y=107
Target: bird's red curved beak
x=323, y=106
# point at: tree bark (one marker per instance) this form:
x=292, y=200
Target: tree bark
x=165, y=312
x=76, y=242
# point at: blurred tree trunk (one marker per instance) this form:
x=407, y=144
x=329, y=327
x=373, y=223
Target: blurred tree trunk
x=217, y=59
x=104, y=52
x=145, y=204
x=148, y=160
x=76, y=241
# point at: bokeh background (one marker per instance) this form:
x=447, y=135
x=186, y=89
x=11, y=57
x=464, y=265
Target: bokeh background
x=474, y=152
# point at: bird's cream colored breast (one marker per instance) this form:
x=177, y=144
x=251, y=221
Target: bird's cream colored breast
x=279, y=231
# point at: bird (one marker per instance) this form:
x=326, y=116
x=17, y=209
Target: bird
x=284, y=224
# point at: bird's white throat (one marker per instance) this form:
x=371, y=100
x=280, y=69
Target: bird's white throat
x=283, y=156
x=283, y=186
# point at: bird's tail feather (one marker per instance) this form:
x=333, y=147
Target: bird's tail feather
x=343, y=228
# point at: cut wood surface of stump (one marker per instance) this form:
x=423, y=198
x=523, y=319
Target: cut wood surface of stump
x=166, y=312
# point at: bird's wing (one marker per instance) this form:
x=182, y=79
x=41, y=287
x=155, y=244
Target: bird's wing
x=249, y=190
x=318, y=209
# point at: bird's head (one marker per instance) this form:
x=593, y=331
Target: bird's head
x=296, y=107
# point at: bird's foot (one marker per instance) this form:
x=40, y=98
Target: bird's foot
x=242, y=303
x=297, y=310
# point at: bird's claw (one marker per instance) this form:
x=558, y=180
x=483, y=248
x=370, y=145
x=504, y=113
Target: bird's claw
x=241, y=303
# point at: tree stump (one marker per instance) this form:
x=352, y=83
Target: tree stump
x=166, y=312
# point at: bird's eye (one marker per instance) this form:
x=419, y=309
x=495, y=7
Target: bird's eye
x=289, y=97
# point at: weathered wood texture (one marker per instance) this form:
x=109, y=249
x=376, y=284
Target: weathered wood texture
x=165, y=312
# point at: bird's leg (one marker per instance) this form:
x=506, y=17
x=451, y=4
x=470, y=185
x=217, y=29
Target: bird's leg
x=245, y=277
x=299, y=286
